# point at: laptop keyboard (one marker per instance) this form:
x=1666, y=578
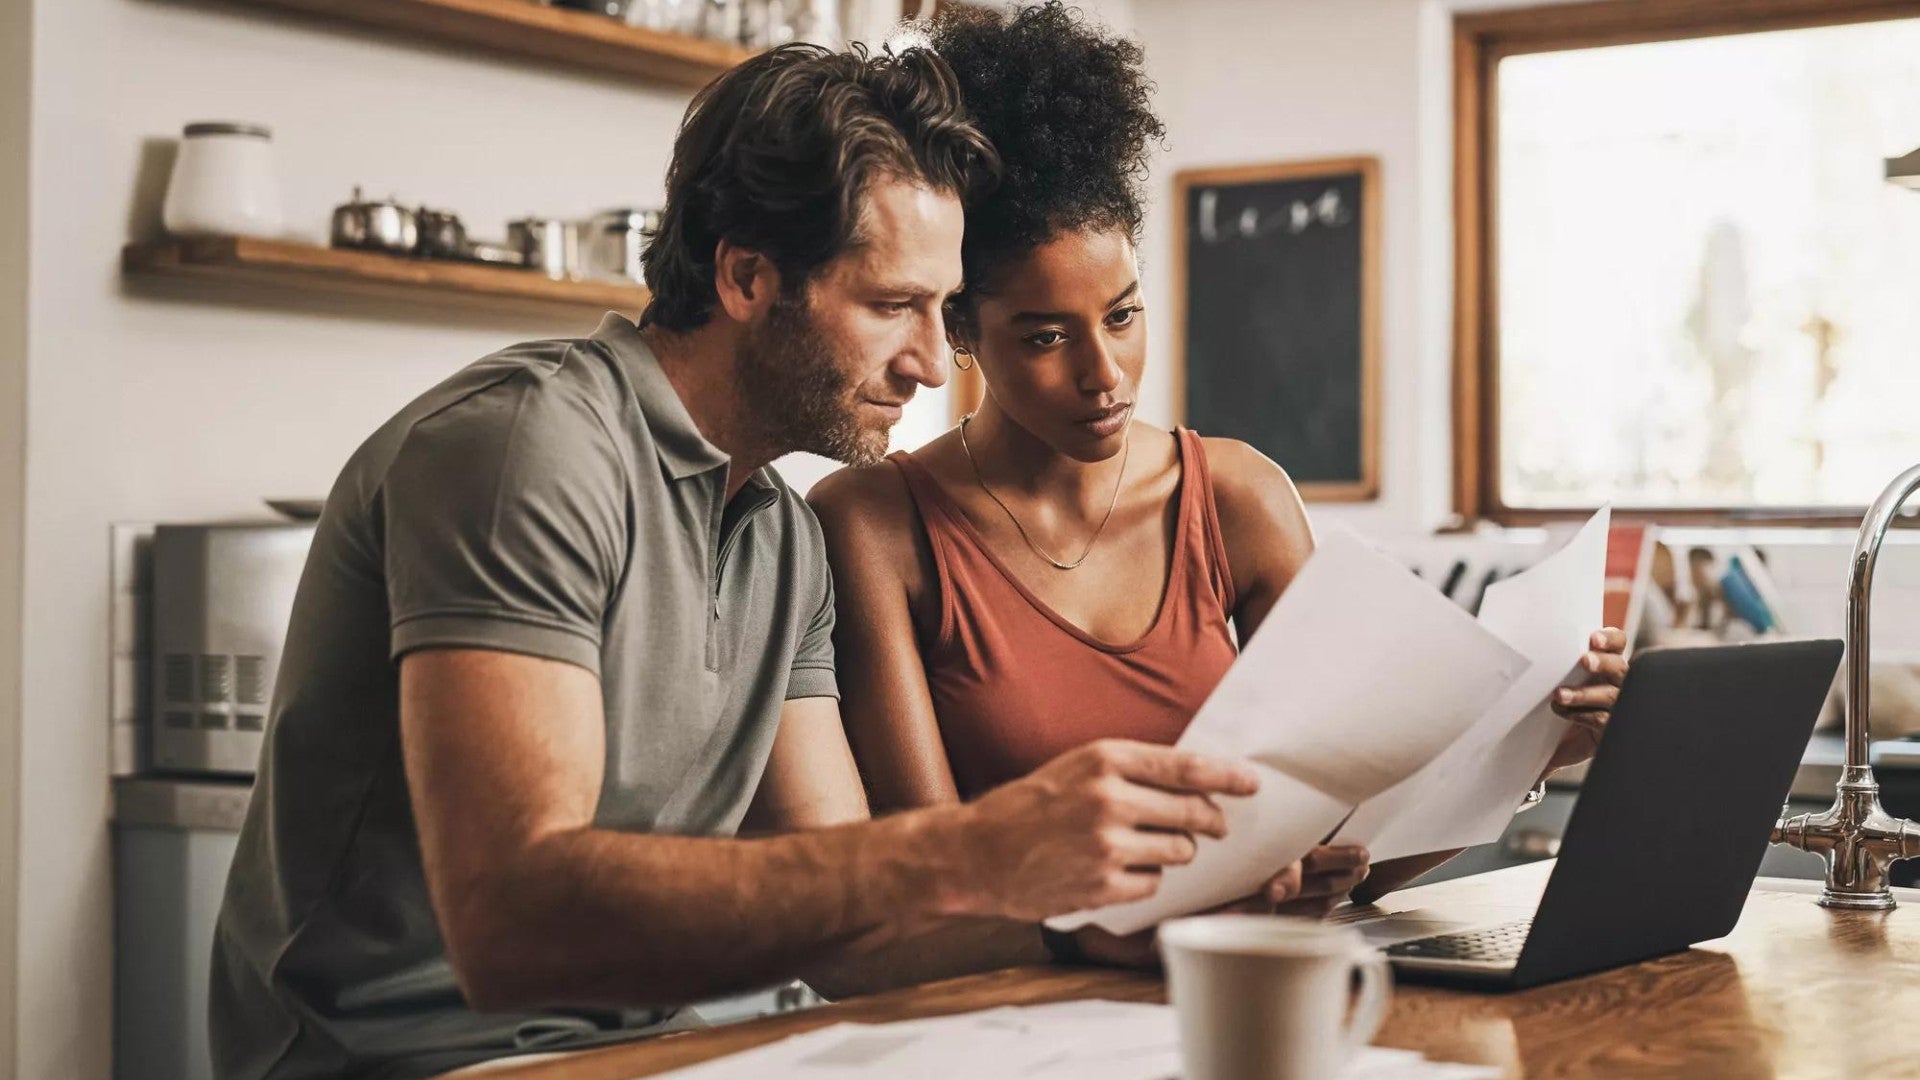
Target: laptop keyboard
x=1494, y=943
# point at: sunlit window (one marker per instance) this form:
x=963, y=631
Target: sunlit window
x=1708, y=294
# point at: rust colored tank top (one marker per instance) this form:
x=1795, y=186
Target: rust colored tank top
x=1015, y=684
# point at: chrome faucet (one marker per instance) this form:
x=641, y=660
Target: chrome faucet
x=1857, y=839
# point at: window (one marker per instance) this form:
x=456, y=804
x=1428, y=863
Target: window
x=1686, y=286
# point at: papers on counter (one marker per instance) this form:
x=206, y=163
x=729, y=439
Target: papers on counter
x=1069, y=1040
x=1361, y=675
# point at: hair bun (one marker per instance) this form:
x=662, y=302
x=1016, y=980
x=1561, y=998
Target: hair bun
x=1066, y=105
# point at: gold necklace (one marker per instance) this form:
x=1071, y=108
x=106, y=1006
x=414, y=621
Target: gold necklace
x=1126, y=451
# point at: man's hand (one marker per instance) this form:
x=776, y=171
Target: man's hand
x=1092, y=827
x=1310, y=887
x=1590, y=705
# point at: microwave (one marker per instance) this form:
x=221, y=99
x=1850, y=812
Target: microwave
x=222, y=597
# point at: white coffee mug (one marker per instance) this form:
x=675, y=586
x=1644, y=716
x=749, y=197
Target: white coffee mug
x=1266, y=997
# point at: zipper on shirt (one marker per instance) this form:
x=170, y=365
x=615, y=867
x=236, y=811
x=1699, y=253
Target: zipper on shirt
x=727, y=542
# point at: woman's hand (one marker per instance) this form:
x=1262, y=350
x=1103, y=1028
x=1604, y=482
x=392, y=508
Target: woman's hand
x=1310, y=887
x=1590, y=704
x=1320, y=882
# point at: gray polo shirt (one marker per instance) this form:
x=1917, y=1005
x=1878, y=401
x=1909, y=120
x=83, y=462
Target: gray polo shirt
x=554, y=499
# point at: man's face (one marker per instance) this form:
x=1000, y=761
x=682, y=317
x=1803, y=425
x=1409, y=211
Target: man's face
x=829, y=373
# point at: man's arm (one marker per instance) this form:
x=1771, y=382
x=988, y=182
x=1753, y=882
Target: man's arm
x=810, y=783
x=505, y=756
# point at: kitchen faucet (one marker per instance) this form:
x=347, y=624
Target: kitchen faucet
x=1857, y=839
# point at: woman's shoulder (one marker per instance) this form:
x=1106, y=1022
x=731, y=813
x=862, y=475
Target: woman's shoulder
x=862, y=496
x=1249, y=488
x=1242, y=471
x=872, y=526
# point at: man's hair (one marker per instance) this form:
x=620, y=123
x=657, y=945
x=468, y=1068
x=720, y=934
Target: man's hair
x=776, y=155
x=1066, y=105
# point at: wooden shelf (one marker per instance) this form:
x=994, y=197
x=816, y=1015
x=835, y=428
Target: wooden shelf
x=240, y=260
x=576, y=39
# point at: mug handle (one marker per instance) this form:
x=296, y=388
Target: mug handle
x=1376, y=993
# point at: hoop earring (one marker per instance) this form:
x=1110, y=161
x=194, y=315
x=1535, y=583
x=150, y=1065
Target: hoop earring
x=970, y=357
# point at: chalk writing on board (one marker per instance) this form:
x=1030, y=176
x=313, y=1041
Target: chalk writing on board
x=1296, y=217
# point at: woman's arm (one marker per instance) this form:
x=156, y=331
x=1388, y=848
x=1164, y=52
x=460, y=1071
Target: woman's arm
x=1263, y=524
x=884, y=577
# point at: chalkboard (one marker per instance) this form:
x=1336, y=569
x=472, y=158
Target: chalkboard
x=1279, y=316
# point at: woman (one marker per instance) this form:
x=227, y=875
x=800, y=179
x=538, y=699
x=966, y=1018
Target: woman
x=1053, y=571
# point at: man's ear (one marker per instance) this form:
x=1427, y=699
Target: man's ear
x=747, y=282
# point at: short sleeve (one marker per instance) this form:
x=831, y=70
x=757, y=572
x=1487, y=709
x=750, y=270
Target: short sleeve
x=812, y=674
x=505, y=517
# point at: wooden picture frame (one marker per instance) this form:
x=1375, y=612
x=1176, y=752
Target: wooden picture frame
x=1367, y=486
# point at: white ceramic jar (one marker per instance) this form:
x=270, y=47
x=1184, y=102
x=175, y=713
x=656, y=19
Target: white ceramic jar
x=223, y=183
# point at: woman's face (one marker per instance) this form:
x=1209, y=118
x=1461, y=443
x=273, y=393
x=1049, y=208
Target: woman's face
x=1062, y=339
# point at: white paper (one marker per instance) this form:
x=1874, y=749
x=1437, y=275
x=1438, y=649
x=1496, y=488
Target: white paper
x=1469, y=792
x=1074, y=1040
x=1360, y=676
x=1265, y=832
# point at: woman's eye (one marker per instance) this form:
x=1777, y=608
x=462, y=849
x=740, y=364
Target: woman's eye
x=1123, y=317
x=1046, y=339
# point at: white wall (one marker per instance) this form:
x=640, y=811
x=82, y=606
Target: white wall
x=1259, y=81
x=1253, y=81
x=15, y=77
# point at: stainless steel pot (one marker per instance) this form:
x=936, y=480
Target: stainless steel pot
x=549, y=245
x=442, y=234
x=612, y=242
x=375, y=226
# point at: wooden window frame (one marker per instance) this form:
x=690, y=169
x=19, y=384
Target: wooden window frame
x=1480, y=41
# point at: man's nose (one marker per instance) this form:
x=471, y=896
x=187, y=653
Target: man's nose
x=925, y=358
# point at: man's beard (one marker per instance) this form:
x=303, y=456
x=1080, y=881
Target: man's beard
x=796, y=385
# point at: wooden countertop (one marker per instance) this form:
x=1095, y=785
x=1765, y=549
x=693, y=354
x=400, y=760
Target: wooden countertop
x=1795, y=990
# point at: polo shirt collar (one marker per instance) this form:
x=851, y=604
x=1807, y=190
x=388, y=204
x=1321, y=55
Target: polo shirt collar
x=682, y=449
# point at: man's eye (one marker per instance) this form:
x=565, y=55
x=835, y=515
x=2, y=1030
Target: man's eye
x=1046, y=339
x=895, y=307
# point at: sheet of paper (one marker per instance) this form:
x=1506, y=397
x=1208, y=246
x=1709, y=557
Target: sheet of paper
x=1359, y=677
x=908, y=1051
x=1075, y=1040
x=1469, y=792
x=1265, y=832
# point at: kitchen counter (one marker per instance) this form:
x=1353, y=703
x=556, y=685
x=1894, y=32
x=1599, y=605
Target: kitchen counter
x=1795, y=990
x=1819, y=767
x=179, y=803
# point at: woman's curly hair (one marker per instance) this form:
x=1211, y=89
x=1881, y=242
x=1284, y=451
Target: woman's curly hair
x=1065, y=104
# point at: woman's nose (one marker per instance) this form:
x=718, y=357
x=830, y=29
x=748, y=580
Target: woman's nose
x=1100, y=372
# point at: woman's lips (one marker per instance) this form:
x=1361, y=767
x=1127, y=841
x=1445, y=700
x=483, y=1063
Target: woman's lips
x=1109, y=422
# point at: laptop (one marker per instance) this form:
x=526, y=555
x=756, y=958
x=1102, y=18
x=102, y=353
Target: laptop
x=1667, y=835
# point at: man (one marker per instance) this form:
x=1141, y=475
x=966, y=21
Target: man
x=562, y=632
